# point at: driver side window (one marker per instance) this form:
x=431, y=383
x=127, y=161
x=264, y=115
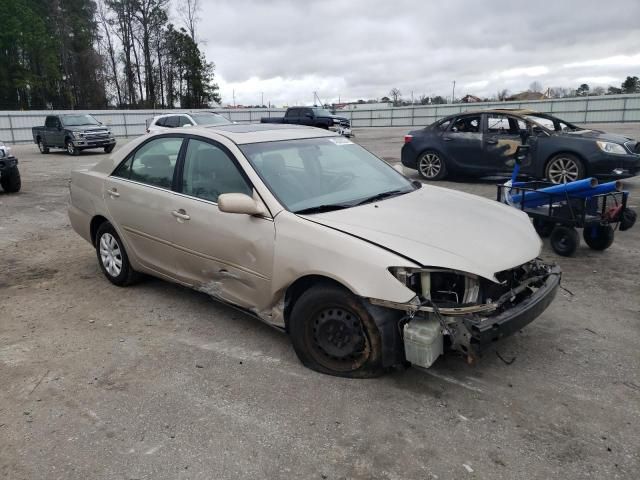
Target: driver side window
x=210, y=172
x=466, y=124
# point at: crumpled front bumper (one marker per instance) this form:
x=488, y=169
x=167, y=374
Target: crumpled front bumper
x=485, y=331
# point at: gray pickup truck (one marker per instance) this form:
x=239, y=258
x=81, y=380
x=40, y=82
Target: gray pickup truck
x=74, y=132
x=313, y=117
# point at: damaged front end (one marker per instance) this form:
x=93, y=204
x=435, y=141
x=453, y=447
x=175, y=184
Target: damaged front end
x=471, y=312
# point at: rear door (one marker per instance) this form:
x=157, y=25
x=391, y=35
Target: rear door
x=462, y=143
x=501, y=139
x=139, y=199
x=229, y=256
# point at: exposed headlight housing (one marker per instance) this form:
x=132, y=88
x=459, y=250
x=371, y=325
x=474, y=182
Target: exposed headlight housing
x=610, y=147
x=442, y=287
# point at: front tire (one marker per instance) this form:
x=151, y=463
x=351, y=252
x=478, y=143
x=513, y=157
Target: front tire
x=109, y=148
x=333, y=333
x=112, y=257
x=564, y=168
x=10, y=181
x=432, y=166
x=72, y=149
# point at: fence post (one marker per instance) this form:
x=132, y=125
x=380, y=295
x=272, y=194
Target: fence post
x=370, y=118
x=586, y=109
x=126, y=131
x=413, y=114
x=624, y=109
x=13, y=137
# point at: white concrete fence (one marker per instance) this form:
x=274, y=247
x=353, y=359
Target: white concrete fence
x=15, y=126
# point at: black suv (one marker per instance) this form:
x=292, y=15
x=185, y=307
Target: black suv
x=482, y=143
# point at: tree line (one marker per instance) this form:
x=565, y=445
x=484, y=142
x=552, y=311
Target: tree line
x=79, y=54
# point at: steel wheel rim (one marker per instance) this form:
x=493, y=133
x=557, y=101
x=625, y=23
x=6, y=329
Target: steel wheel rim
x=430, y=165
x=339, y=339
x=563, y=170
x=110, y=254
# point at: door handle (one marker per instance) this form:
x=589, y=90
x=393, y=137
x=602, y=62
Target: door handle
x=492, y=141
x=113, y=192
x=181, y=214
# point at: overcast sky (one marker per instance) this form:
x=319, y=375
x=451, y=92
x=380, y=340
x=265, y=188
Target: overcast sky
x=360, y=49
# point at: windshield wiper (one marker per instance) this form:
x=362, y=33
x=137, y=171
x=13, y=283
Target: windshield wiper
x=382, y=196
x=322, y=208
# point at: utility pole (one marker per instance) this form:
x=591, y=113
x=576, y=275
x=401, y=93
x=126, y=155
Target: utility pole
x=261, y=98
x=411, y=97
x=453, y=94
x=234, y=97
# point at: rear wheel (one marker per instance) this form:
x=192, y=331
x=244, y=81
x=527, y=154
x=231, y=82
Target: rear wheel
x=432, y=166
x=42, y=147
x=564, y=240
x=112, y=257
x=598, y=237
x=10, y=180
x=333, y=333
x=564, y=168
x=72, y=149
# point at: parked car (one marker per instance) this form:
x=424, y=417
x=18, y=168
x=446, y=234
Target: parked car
x=9, y=174
x=481, y=143
x=316, y=236
x=173, y=120
x=74, y=132
x=313, y=117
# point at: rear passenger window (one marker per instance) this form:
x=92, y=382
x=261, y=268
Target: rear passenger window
x=171, y=122
x=185, y=121
x=153, y=163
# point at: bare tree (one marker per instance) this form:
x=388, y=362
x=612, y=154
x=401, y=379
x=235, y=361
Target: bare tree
x=396, y=95
x=111, y=53
x=189, y=11
x=502, y=94
x=535, y=87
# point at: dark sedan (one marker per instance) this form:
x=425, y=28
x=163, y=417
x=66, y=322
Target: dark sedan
x=482, y=143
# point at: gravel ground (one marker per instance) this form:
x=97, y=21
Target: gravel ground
x=159, y=382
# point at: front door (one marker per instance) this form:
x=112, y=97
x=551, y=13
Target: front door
x=463, y=144
x=139, y=199
x=501, y=139
x=229, y=256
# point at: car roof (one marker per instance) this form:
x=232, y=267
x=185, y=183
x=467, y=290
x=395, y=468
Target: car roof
x=264, y=132
x=504, y=111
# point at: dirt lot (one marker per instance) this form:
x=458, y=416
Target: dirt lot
x=156, y=381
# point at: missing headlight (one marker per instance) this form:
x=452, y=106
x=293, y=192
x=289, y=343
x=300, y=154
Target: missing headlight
x=445, y=288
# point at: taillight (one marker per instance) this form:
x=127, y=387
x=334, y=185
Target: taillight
x=408, y=138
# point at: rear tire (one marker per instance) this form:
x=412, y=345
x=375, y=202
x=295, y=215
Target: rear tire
x=42, y=147
x=10, y=181
x=564, y=240
x=333, y=333
x=432, y=166
x=598, y=237
x=112, y=257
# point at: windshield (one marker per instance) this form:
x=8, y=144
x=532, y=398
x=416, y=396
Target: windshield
x=76, y=120
x=208, y=118
x=322, y=112
x=323, y=173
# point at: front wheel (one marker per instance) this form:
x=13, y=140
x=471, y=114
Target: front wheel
x=432, y=166
x=564, y=168
x=72, y=149
x=333, y=333
x=112, y=257
x=598, y=237
x=109, y=148
x=10, y=181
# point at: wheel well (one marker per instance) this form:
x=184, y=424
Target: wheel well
x=565, y=152
x=301, y=285
x=95, y=225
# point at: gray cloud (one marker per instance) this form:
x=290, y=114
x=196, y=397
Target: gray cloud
x=362, y=48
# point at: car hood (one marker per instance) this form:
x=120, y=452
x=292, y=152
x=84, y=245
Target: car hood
x=598, y=135
x=438, y=227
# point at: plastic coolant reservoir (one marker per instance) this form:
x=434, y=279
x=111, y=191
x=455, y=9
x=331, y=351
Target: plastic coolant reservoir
x=422, y=341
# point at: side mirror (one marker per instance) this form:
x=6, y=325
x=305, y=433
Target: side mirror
x=240, y=203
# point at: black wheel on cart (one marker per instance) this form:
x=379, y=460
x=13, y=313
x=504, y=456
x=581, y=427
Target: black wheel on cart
x=564, y=240
x=598, y=237
x=543, y=227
